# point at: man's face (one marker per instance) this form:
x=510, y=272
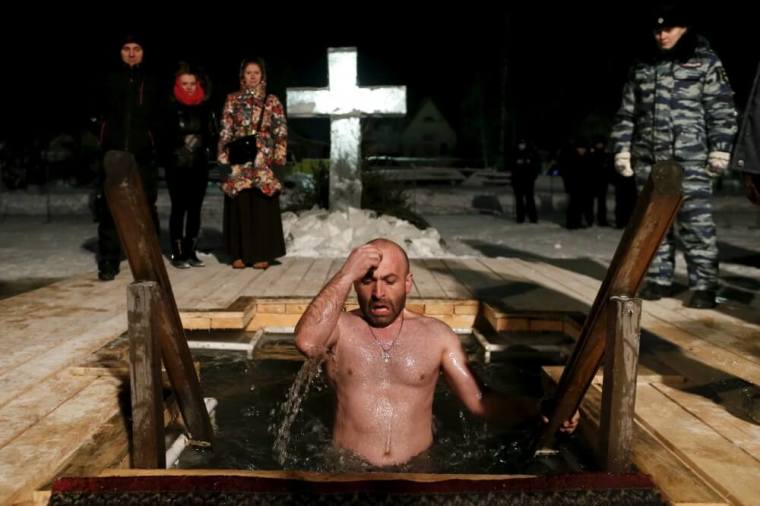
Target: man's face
x=188, y=83
x=668, y=37
x=131, y=54
x=251, y=75
x=382, y=291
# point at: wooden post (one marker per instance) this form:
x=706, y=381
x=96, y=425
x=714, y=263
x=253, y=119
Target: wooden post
x=621, y=361
x=655, y=209
x=148, y=447
x=129, y=208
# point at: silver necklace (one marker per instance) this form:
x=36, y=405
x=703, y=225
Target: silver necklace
x=387, y=348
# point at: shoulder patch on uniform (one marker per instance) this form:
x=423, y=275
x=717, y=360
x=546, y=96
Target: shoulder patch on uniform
x=722, y=76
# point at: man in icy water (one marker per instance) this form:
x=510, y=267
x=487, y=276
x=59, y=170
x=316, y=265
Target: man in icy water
x=384, y=361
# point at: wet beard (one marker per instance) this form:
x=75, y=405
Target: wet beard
x=385, y=319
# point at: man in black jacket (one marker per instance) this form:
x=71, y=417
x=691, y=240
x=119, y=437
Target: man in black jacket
x=746, y=156
x=128, y=114
x=525, y=166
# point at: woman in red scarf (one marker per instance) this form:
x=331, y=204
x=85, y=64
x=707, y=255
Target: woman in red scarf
x=253, y=139
x=190, y=130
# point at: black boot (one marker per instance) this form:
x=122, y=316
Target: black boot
x=655, y=291
x=189, y=247
x=702, y=299
x=178, y=258
x=107, y=271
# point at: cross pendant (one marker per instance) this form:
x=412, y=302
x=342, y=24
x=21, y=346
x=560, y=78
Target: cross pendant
x=386, y=357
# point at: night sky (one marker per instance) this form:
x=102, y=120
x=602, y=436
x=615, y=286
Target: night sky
x=566, y=64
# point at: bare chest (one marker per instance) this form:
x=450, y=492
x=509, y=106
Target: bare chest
x=361, y=360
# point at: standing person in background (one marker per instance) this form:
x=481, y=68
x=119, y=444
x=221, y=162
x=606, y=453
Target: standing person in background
x=129, y=119
x=626, y=193
x=253, y=138
x=600, y=178
x=678, y=105
x=188, y=137
x=575, y=169
x=746, y=156
x=525, y=166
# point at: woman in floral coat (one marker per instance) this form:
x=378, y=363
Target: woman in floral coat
x=253, y=138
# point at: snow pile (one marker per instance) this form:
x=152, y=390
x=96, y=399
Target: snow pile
x=321, y=233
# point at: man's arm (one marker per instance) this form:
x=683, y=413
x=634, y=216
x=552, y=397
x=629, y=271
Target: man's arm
x=504, y=411
x=496, y=408
x=622, y=131
x=623, y=126
x=720, y=113
x=317, y=330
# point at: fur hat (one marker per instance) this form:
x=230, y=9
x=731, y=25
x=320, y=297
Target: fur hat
x=133, y=37
x=670, y=14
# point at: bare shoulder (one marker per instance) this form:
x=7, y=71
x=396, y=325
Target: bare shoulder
x=432, y=329
x=350, y=317
x=350, y=320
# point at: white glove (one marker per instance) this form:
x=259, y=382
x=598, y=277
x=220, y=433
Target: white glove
x=717, y=163
x=623, y=164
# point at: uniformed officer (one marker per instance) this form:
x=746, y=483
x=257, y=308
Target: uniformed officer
x=678, y=105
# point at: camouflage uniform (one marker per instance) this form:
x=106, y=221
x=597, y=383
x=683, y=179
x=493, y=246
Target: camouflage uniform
x=680, y=108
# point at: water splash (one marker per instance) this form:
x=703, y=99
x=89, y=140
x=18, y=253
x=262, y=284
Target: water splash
x=290, y=408
x=468, y=431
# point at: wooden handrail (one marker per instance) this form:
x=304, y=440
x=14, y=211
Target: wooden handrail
x=655, y=210
x=129, y=207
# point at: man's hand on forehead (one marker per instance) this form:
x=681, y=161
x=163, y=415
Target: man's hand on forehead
x=362, y=261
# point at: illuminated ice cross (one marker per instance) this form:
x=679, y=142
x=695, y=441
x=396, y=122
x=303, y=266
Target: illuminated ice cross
x=345, y=103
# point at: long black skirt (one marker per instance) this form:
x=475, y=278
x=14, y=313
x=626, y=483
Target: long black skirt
x=252, y=227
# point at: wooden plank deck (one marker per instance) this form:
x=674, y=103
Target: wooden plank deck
x=700, y=449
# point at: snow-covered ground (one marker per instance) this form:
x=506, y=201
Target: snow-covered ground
x=320, y=233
